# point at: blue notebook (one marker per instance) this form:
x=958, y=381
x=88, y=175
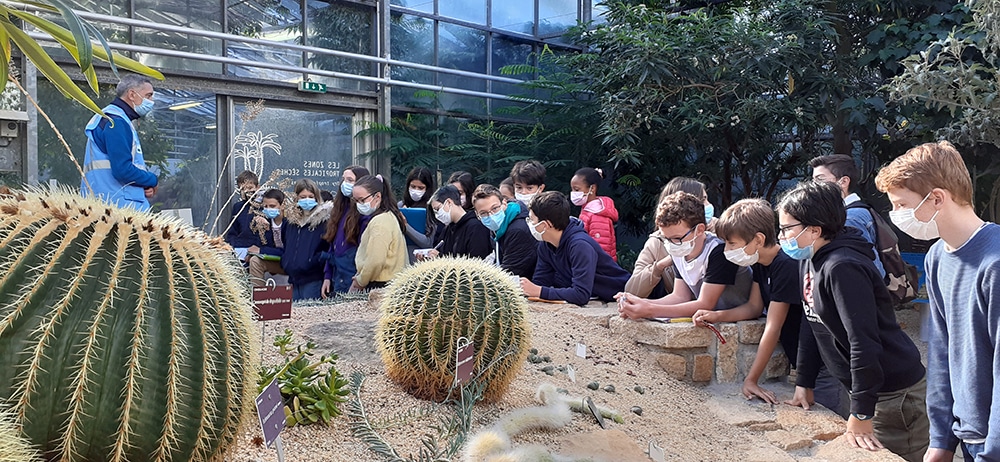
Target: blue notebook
x=416, y=218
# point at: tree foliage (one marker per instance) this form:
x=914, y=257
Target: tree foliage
x=738, y=94
x=959, y=74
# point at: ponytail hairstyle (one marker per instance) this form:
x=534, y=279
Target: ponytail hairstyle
x=376, y=184
x=342, y=206
x=591, y=176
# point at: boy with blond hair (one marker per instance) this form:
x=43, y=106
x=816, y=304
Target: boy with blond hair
x=931, y=194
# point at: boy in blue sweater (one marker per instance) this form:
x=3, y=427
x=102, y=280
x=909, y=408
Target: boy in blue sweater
x=931, y=194
x=571, y=265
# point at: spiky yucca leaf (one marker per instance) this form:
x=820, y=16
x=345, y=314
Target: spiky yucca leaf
x=428, y=307
x=123, y=335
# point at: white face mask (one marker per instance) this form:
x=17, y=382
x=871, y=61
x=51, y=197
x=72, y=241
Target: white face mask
x=416, y=194
x=907, y=222
x=683, y=249
x=526, y=198
x=740, y=257
x=680, y=250
x=443, y=215
x=578, y=198
x=534, y=232
x=461, y=199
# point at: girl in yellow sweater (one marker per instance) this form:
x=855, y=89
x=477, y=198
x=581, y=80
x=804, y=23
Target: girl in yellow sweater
x=382, y=251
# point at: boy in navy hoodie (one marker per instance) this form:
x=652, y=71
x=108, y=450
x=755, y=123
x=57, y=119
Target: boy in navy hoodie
x=853, y=324
x=240, y=235
x=571, y=265
x=931, y=193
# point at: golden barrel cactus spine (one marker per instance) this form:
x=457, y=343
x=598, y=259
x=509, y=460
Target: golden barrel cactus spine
x=123, y=335
x=428, y=307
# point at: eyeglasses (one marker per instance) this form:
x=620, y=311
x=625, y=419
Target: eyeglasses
x=493, y=211
x=674, y=240
x=532, y=225
x=363, y=199
x=782, y=230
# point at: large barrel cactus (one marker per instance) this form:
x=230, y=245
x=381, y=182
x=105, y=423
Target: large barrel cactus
x=123, y=336
x=428, y=307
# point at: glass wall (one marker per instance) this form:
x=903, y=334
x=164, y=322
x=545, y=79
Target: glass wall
x=461, y=36
x=473, y=11
x=341, y=26
x=195, y=14
x=282, y=145
x=457, y=34
x=273, y=20
x=556, y=16
x=508, y=51
x=413, y=40
x=515, y=16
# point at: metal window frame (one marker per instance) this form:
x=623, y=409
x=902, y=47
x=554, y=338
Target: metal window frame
x=132, y=23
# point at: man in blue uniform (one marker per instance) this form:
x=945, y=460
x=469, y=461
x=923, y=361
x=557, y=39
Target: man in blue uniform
x=114, y=167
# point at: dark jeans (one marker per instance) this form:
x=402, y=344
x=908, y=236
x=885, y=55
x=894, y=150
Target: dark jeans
x=343, y=270
x=970, y=451
x=831, y=393
x=307, y=291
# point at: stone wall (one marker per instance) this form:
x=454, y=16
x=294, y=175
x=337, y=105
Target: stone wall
x=694, y=354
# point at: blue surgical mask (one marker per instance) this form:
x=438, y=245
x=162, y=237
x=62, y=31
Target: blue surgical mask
x=365, y=208
x=709, y=212
x=307, y=204
x=271, y=213
x=346, y=188
x=494, y=222
x=792, y=249
x=145, y=107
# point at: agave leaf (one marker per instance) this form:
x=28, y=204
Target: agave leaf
x=47, y=66
x=65, y=39
x=4, y=54
x=40, y=5
x=84, y=49
x=46, y=26
x=104, y=43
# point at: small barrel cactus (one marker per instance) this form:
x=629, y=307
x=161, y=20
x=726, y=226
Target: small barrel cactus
x=123, y=335
x=428, y=307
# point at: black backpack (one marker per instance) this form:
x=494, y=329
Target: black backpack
x=901, y=278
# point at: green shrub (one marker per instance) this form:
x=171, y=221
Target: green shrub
x=310, y=394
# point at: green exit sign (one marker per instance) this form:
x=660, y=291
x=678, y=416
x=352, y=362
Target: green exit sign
x=312, y=87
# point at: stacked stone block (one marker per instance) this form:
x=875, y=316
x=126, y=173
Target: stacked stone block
x=694, y=354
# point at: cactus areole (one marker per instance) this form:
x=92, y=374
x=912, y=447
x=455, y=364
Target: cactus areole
x=428, y=307
x=123, y=335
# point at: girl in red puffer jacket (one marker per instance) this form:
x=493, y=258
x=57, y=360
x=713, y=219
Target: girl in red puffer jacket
x=599, y=214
